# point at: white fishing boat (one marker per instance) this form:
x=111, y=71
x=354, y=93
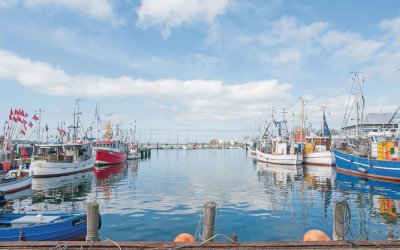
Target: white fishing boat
x=318, y=148
x=133, y=153
x=15, y=180
x=279, y=152
x=276, y=146
x=61, y=159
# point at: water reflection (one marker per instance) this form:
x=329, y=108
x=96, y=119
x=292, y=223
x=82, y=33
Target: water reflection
x=162, y=196
x=375, y=202
x=64, y=193
x=319, y=178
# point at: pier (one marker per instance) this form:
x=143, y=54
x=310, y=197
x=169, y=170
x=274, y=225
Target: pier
x=97, y=245
x=145, y=152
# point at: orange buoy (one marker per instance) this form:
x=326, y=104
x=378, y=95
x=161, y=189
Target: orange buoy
x=185, y=238
x=315, y=235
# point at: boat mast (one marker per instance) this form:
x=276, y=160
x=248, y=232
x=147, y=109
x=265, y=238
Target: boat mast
x=39, y=127
x=76, y=118
x=302, y=119
x=97, y=117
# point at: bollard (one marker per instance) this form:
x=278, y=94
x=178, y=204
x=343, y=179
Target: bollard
x=338, y=220
x=92, y=221
x=210, y=209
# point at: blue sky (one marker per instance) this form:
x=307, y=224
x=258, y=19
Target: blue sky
x=196, y=69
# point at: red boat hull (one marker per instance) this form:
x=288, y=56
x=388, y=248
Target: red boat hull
x=107, y=157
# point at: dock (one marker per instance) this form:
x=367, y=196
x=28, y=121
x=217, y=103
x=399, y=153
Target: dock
x=197, y=245
x=145, y=152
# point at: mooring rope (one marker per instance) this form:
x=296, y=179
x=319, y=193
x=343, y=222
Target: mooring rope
x=107, y=239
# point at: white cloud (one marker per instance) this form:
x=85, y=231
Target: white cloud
x=350, y=46
x=99, y=9
x=170, y=14
x=203, y=99
x=391, y=25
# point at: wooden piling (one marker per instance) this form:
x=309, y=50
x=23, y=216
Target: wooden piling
x=93, y=221
x=210, y=209
x=338, y=220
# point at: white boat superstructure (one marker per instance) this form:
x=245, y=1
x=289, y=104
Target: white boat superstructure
x=51, y=160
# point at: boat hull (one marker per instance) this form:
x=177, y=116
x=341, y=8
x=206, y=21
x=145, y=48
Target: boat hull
x=371, y=168
x=43, y=168
x=64, y=227
x=18, y=184
x=295, y=159
x=324, y=158
x=107, y=157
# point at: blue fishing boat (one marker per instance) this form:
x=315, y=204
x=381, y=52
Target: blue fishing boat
x=374, y=154
x=361, y=165
x=37, y=227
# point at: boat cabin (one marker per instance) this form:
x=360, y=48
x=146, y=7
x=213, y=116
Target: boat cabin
x=117, y=146
x=59, y=153
x=317, y=144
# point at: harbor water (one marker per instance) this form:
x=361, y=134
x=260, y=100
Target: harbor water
x=157, y=198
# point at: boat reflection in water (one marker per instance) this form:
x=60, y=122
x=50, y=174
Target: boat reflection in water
x=320, y=179
x=278, y=180
x=374, y=200
x=105, y=173
x=63, y=193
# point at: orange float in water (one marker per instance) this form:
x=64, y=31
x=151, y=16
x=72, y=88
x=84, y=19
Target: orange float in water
x=315, y=235
x=185, y=238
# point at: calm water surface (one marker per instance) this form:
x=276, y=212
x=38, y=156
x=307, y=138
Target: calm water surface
x=155, y=199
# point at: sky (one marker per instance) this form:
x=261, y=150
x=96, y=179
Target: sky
x=196, y=70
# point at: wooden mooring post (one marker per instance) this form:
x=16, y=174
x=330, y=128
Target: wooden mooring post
x=210, y=209
x=339, y=210
x=93, y=221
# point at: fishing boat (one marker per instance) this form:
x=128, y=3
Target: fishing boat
x=370, y=155
x=46, y=227
x=110, y=151
x=133, y=152
x=318, y=148
x=276, y=146
x=15, y=180
x=50, y=160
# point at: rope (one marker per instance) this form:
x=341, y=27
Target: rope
x=107, y=239
x=61, y=246
x=217, y=235
x=199, y=226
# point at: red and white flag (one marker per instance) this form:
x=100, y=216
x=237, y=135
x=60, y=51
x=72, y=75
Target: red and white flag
x=35, y=118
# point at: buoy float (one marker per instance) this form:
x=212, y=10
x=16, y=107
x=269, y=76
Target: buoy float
x=315, y=235
x=185, y=238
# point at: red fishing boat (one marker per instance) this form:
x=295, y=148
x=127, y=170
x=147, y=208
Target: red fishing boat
x=110, y=152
